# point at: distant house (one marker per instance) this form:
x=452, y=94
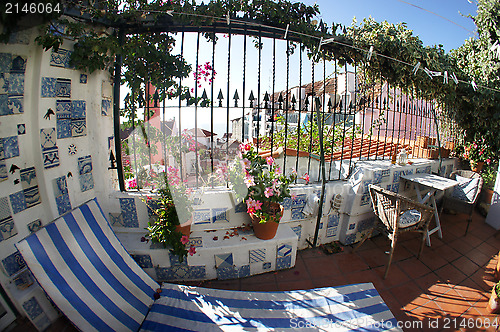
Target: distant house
x=203, y=136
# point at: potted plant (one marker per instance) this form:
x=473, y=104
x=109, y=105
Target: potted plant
x=266, y=188
x=494, y=302
x=489, y=176
x=478, y=153
x=172, y=214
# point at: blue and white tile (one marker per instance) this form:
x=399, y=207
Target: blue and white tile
x=202, y=216
x=284, y=250
x=10, y=147
x=83, y=78
x=240, y=207
x=331, y=232
x=386, y=174
x=174, y=260
x=85, y=164
x=63, y=204
x=48, y=138
x=4, y=105
x=48, y=87
x=28, y=177
x=50, y=157
x=34, y=226
x=333, y=220
x=244, y=271
x=63, y=88
x=377, y=177
x=72, y=149
x=4, y=208
x=227, y=272
x=60, y=186
x=283, y=262
x=297, y=230
x=287, y=203
x=32, y=308
x=366, y=224
x=32, y=196
x=7, y=228
x=60, y=58
x=196, y=242
x=115, y=219
x=64, y=128
x=106, y=107
x=5, y=62
x=297, y=213
x=180, y=272
x=395, y=176
x=21, y=129
x=86, y=182
x=16, y=104
x=42, y=322
x=24, y=280
x=18, y=65
x=78, y=127
x=16, y=84
x=219, y=215
x=365, y=199
x=129, y=212
x=79, y=108
x=223, y=260
x=352, y=226
x=299, y=201
x=4, y=83
x=144, y=261
x=266, y=265
x=257, y=255
x=3, y=171
x=64, y=109
x=13, y=263
x=18, y=202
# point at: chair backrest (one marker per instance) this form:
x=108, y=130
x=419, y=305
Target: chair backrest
x=88, y=274
x=470, y=175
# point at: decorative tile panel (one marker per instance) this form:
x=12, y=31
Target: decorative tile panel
x=42, y=322
x=366, y=224
x=299, y=201
x=60, y=186
x=63, y=204
x=4, y=208
x=106, y=107
x=85, y=165
x=219, y=214
x=201, y=216
x=48, y=87
x=180, y=272
x=284, y=250
x=60, y=58
x=287, y=203
x=21, y=129
x=297, y=214
x=352, y=226
x=13, y=263
x=16, y=84
x=365, y=199
x=18, y=202
x=32, y=308
x=83, y=78
x=78, y=127
x=50, y=157
x=7, y=228
x=223, y=260
x=15, y=104
x=115, y=219
x=24, y=280
x=28, y=177
x=48, y=138
x=297, y=230
x=72, y=150
x=86, y=182
x=129, y=212
x=240, y=207
x=35, y=225
x=174, y=259
x=18, y=65
x=64, y=109
x=63, y=88
x=257, y=255
x=32, y=196
x=228, y=272
x=266, y=265
x=196, y=242
x=5, y=62
x=283, y=262
x=244, y=271
x=79, y=109
x=144, y=261
x=64, y=128
x=10, y=147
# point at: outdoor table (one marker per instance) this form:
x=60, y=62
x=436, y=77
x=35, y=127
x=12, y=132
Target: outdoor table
x=433, y=183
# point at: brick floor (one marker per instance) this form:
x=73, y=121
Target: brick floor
x=448, y=289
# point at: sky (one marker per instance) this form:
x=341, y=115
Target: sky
x=431, y=28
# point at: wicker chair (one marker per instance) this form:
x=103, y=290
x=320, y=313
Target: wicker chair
x=463, y=205
x=398, y=214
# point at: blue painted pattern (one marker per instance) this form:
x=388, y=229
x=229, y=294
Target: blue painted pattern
x=83, y=78
x=32, y=196
x=4, y=208
x=244, y=271
x=34, y=225
x=287, y=203
x=18, y=202
x=50, y=157
x=64, y=109
x=60, y=186
x=63, y=204
x=223, y=260
x=78, y=127
x=129, y=212
x=28, y=177
x=10, y=147
x=283, y=262
x=219, y=214
x=16, y=84
x=297, y=230
x=63, y=88
x=86, y=182
x=79, y=109
x=201, y=216
x=266, y=265
x=143, y=261
x=106, y=107
x=48, y=138
x=297, y=213
x=32, y=308
x=85, y=164
x=21, y=129
x=257, y=255
x=13, y=263
x=229, y=272
x=299, y=201
x=48, y=87
x=63, y=128
x=7, y=228
x=18, y=65
x=284, y=250
x=60, y=58
x=115, y=219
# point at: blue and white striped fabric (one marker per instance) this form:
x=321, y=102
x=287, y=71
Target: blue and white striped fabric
x=88, y=274
x=347, y=308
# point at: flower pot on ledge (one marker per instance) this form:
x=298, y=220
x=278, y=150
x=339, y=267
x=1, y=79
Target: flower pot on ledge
x=268, y=229
x=185, y=228
x=476, y=166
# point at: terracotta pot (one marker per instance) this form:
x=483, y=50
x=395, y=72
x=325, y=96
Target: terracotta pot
x=487, y=195
x=494, y=302
x=185, y=228
x=267, y=230
x=476, y=166
x=497, y=268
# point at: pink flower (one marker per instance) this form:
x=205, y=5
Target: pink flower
x=245, y=147
x=268, y=192
x=270, y=160
x=249, y=181
x=246, y=163
x=148, y=198
x=192, y=250
x=277, y=171
x=306, y=178
x=251, y=210
x=488, y=161
x=258, y=205
x=184, y=239
x=293, y=196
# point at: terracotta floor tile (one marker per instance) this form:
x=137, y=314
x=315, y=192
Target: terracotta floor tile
x=367, y=245
x=374, y=258
x=430, y=310
x=414, y=268
x=439, y=289
x=395, y=277
x=487, y=249
x=406, y=293
x=451, y=274
x=447, y=253
x=483, y=279
x=351, y=263
x=322, y=266
x=365, y=276
x=337, y=280
x=461, y=246
x=225, y=284
x=259, y=278
x=493, y=241
x=466, y=266
x=413, y=245
x=419, y=301
x=298, y=272
x=427, y=281
x=452, y=303
x=432, y=260
x=470, y=291
x=295, y=285
x=311, y=252
x=401, y=253
x=478, y=257
x=260, y=287
x=472, y=240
